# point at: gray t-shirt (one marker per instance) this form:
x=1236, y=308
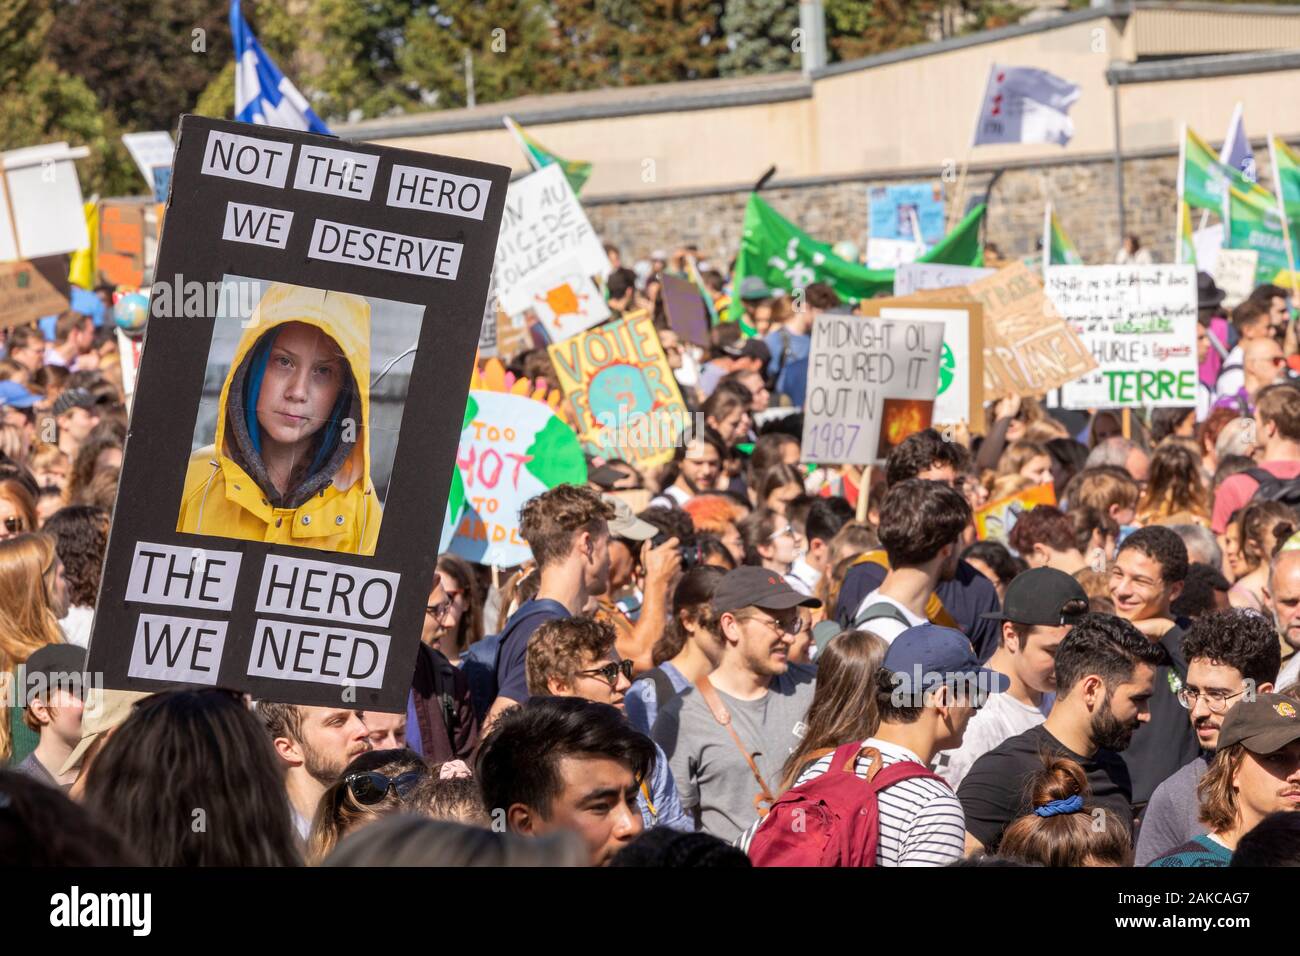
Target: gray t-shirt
x=1173, y=814
x=713, y=778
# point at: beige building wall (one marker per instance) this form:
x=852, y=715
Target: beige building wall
x=911, y=118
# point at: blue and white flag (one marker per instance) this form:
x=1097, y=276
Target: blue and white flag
x=1236, y=153
x=263, y=94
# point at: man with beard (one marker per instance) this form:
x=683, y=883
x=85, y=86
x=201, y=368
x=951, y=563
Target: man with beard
x=921, y=523
x=1231, y=656
x=1105, y=669
x=1284, y=595
x=694, y=470
x=1148, y=575
x=314, y=745
x=567, y=529
x=727, y=738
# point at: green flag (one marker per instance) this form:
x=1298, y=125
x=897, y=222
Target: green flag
x=1202, y=177
x=1061, y=251
x=576, y=171
x=1286, y=177
x=787, y=258
x=1252, y=222
x=1186, y=247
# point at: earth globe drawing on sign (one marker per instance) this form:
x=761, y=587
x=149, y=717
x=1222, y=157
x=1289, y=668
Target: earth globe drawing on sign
x=947, y=369
x=617, y=391
x=481, y=523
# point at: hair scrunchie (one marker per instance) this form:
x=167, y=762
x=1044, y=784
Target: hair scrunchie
x=1069, y=805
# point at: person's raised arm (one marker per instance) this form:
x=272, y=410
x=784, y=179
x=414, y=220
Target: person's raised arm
x=661, y=565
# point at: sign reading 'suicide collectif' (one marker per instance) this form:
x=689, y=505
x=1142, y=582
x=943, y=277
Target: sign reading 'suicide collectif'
x=312, y=329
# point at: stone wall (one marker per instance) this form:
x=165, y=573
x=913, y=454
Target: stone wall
x=1083, y=194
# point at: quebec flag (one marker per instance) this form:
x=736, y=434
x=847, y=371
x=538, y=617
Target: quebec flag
x=263, y=94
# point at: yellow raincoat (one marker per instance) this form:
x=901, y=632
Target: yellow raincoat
x=229, y=494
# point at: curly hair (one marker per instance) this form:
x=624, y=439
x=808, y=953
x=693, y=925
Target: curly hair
x=81, y=538
x=1163, y=547
x=1239, y=638
x=559, y=647
x=921, y=451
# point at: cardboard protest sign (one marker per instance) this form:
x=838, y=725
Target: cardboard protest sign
x=912, y=277
x=960, y=392
x=30, y=290
x=544, y=227
x=512, y=448
x=568, y=302
x=43, y=213
x=1139, y=323
x=1028, y=348
x=871, y=383
x=995, y=520
x=1234, y=273
x=623, y=394
x=687, y=315
x=315, y=314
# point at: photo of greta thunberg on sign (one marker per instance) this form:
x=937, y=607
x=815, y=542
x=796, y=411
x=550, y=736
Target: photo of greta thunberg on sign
x=302, y=404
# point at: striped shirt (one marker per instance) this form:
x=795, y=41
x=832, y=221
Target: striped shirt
x=921, y=820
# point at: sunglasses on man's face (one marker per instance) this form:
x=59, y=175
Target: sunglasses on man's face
x=370, y=787
x=609, y=672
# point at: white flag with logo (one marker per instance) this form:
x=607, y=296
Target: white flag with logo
x=1025, y=105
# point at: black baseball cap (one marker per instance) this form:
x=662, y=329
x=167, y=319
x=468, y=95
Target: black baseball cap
x=1039, y=596
x=750, y=348
x=751, y=586
x=1263, y=725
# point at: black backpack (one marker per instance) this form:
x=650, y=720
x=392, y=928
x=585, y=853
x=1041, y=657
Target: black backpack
x=1272, y=488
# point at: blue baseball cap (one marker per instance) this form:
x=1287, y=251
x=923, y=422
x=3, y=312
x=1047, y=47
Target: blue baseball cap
x=14, y=395
x=928, y=656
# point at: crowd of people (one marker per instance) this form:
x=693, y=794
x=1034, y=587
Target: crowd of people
x=737, y=659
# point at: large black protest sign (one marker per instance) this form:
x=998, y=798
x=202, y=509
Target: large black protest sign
x=313, y=325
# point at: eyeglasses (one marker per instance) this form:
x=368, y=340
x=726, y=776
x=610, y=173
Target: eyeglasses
x=1217, y=701
x=788, y=529
x=14, y=524
x=609, y=672
x=370, y=787
x=795, y=627
x=438, y=610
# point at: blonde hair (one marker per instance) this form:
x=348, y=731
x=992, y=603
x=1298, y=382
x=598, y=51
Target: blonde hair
x=27, y=620
x=1018, y=455
x=12, y=443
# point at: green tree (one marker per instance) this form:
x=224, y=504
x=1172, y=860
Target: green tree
x=39, y=103
x=506, y=39
x=858, y=28
x=355, y=71
x=760, y=37
x=146, y=60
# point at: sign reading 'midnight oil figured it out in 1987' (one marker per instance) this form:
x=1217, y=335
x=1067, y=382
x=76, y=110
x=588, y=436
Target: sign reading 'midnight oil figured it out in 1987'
x=276, y=528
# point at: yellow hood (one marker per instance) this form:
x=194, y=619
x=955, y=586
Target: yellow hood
x=344, y=318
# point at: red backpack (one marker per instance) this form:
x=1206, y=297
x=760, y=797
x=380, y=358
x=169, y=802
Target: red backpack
x=833, y=819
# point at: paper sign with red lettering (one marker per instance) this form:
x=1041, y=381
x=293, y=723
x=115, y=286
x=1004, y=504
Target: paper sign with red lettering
x=511, y=449
x=624, y=397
